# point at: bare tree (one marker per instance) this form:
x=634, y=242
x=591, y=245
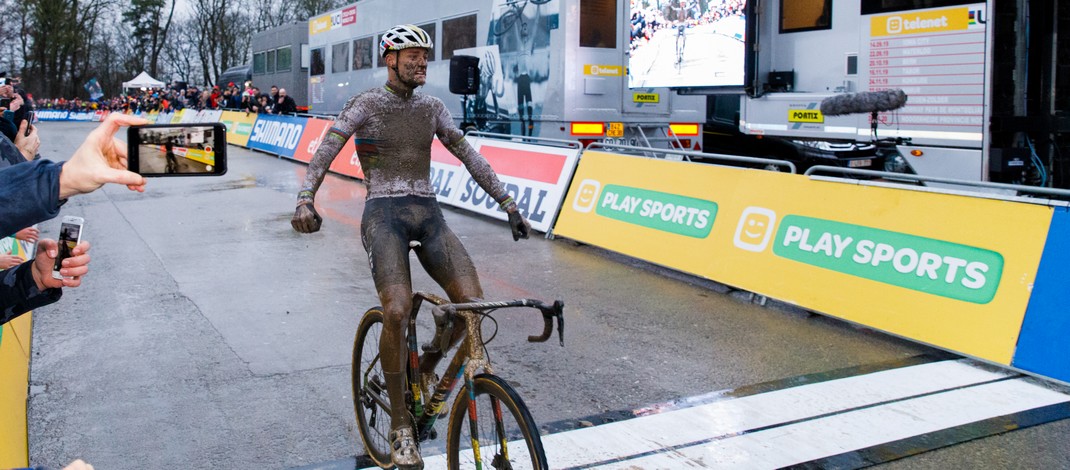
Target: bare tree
x=58, y=39
x=223, y=33
x=305, y=9
x=180, y=54
x=150, y=21
x=10, y=58
x=272, y=13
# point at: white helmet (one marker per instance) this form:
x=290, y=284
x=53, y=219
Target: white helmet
x=404, y=36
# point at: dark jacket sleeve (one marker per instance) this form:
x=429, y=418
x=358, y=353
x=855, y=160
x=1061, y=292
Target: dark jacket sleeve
x=19, y=294
x=29, y=193
x=7, y=125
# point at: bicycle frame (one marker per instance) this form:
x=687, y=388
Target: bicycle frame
x=467, y=360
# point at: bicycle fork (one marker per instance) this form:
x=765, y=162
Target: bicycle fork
x=473, y=426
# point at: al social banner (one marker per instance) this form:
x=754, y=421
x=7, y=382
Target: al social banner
x=277, y=134
x=446, y=171
x=239, y=126
x=949, y=270
x=536, y=176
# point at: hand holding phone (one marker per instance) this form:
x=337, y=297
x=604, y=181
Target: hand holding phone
x=70, y=234
x=177, y=149
x=29, y=122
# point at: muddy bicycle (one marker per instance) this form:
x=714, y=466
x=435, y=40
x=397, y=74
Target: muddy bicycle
x=499, y=428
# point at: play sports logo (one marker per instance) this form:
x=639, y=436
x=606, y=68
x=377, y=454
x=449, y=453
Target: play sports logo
x=656, y=210
x=755, y=229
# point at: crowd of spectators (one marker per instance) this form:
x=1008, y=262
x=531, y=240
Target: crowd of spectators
x=170, y=98
x=650, y=16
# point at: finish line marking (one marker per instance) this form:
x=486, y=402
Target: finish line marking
x=806, y=423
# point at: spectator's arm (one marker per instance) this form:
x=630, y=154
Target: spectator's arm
x=29, y=193
x=19, y=293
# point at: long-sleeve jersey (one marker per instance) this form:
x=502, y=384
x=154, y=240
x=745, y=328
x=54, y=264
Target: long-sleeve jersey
x=393, y=136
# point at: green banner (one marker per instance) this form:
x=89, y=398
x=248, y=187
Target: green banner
x=923, y=264
x=665, y=212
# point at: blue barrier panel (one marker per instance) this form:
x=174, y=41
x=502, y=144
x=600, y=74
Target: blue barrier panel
x=1043, y=345
x=52, y=115
x=277, y=134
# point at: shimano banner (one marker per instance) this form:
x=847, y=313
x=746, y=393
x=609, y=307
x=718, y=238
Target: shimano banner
x=279, y=135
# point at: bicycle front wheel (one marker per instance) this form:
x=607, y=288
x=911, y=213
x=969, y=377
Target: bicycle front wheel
x=506, y=22
x=495, y=429
x=370, y=400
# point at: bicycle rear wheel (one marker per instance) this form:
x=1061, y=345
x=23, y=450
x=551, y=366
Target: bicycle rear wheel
x=505, y=431
x=370, y=399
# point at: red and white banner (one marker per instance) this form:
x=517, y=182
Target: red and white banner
x=345, y=163
x=536, y=176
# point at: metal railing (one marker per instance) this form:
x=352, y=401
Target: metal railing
x=687, y=155
x=936, y=179
x=571, y=144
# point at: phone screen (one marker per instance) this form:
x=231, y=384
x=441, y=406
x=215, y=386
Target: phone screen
x=69, y=234
x=188, y=149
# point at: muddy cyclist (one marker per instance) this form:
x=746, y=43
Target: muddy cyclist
x=393, y=127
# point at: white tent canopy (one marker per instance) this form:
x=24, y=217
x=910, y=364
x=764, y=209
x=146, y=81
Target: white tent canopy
x=143, y=80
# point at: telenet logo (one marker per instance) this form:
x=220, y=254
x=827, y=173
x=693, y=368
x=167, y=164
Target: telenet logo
x=948, y=19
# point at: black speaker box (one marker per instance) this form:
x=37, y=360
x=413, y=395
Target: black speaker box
x=464, y=75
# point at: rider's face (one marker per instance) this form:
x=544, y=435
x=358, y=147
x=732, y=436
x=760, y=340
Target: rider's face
x=412, y=66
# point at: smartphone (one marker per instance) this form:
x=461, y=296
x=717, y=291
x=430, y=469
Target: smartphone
x=177, y=149
x=70, y=233
x=29, y=122
x=5, y=102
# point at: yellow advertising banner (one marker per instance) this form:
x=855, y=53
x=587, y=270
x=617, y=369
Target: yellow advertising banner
x=239, y=126
x=920, y=22
x=603, y=70
x=949, y=270
x=14, y=377
x=198, y=155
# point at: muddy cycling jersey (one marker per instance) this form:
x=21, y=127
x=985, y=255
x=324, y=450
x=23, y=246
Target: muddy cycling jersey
x=393, y=133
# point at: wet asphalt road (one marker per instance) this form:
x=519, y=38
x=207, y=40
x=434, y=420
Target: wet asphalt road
x=209, y=334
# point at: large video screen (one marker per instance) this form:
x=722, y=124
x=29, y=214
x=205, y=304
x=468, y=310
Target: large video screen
x=687, y=43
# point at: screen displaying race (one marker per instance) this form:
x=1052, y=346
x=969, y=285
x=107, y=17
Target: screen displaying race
x=176, y=150
x=687, y=43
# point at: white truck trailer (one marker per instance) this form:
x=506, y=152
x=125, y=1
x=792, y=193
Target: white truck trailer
x=985, y=92
x=547, y=68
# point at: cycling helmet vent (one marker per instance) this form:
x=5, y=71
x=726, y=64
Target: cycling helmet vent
x=404, y=36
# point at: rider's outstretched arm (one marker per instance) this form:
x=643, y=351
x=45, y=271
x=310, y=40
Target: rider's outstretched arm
x=305, y=218
x=453, y=139
x=336, y=137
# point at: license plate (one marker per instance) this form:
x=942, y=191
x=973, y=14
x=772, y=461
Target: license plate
x=616, y=129
x=859, y=163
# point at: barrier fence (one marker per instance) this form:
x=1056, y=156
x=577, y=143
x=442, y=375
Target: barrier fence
x=972, y=274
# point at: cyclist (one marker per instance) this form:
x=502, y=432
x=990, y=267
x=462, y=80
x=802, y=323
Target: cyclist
x=393, y=127
x=681, y=14
x=172, y=162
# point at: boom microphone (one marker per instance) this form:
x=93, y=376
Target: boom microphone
x=864, y=102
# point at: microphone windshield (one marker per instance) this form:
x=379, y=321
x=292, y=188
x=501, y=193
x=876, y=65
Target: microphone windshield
x=865, y=102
